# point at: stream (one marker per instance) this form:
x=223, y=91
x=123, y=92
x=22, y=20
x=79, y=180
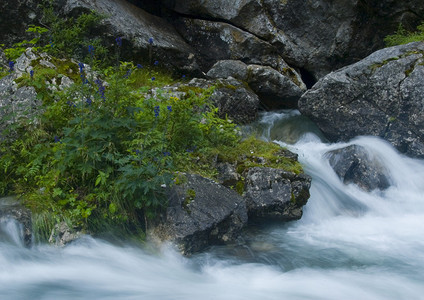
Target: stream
x=349, y=244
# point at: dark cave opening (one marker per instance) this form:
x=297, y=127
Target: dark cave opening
x=307, y=77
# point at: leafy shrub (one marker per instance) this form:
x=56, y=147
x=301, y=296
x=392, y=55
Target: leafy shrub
x=104, y=151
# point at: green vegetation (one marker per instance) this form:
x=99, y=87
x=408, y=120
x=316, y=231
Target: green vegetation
x=403, y=37
x=252, y=152
x=102, y=152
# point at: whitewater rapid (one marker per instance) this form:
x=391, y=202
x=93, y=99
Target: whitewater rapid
x=350, y=244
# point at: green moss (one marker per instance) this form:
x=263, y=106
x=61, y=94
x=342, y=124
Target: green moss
x=253, y=152
x=383, y=63
x=240, y=186
x=190, y=195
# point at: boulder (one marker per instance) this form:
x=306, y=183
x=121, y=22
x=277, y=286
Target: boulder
x=136, y=27
x=248, y=15
x=353, y=164
x=317, y=36
x=201, y=213
x=275, y=193
x=381, y=95
x=232, y=98
x=275, y=89
x=215, y=41
x=229, y=68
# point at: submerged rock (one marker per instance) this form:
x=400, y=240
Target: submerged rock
x=381, y=95
x=11, y=209
x=353, y=164
x=201, y=212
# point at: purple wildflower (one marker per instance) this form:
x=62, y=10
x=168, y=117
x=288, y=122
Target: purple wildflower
x=169, y=107
x=31, y=73
x=151, y=41
x=11, y=66
x=81, y=67
x=119, y=41
x=157, y=110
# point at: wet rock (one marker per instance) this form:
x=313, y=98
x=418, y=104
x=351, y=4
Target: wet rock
x=62, y=235
x=201, y=213
x=381, y=95
x=227, y=174
x=276, y=194
x=353, y=164
x=11, y=209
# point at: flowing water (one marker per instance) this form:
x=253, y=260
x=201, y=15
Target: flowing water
x=350, y=244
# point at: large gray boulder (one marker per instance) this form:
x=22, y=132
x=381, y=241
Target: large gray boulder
x=353, y=164
x=201, y=213
x=381, y=95
x=215, y=41
x=136, y=27
x=276, y=194
x=317, y=36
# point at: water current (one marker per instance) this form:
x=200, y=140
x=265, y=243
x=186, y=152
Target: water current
x=349, y=244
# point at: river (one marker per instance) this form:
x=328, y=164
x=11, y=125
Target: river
x=349, y=244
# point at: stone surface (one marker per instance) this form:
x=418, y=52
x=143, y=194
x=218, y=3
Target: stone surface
x=201, y=213
x=16, y=16
x=273, y=88
x=381, y=95
x=276, y=194
x=215, y=41
x=62, y=235
x=232, y=98
x=10, y=209
x=317, y=36
x=229, y=68
x=136, y=26
x=353, y=164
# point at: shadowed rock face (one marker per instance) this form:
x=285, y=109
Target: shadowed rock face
x=381, y=95
x=318, y=36
x=354, y=165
